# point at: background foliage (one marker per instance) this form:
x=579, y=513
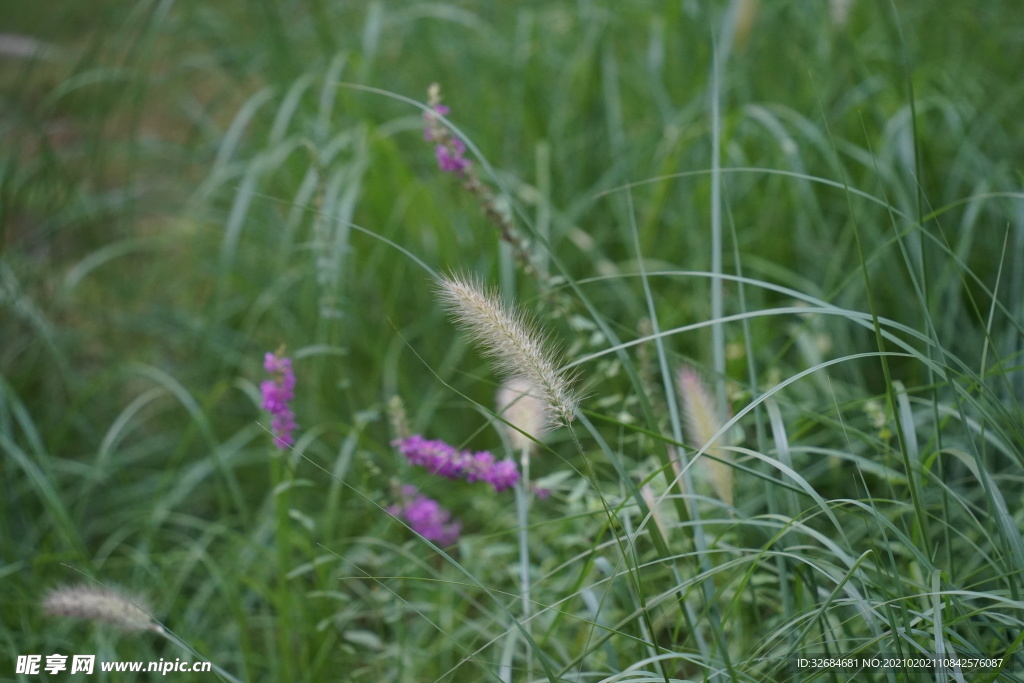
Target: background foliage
x=185, y=186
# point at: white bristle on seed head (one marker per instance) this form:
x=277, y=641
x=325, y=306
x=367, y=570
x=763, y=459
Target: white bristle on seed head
x=100, y=604
x=702, y=423
x=507, y=337
x=519, y=403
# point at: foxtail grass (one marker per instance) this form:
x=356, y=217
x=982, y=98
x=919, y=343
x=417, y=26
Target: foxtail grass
x=92, y=603
x=508, y=338
x=703, y=422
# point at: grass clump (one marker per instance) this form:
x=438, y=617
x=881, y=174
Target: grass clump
x=787, y=274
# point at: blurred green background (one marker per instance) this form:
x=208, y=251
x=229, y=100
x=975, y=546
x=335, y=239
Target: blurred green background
x=187, y=185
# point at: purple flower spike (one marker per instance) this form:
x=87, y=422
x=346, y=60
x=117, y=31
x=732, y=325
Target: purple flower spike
x=450, y=157
x=541, y=493
x=450, y=150
x=431, y=120
x=437, y=456
x=277, y=395
x=427, y=518
x=503, y=475
x=445, y=461
x=479, y=467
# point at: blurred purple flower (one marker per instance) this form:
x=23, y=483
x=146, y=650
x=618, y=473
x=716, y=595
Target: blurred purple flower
x=446, y=461
x=277, y=395
x=431, y=120
x=426, y=517
x=450, y=157
x=450, y=150
x=541, y=493
x=503, y=475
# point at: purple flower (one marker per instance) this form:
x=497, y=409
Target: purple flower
x=428, y=132
x=437, y=456
x=479, y=466
x=426, y=517
x=503, y=475
x=445, y=461
x=450, y=157
x=277, y=395
x=450, y=150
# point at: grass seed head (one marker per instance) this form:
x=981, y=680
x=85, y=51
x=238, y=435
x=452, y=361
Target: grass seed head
x=519, y=402
x=508, y=338
x=702, y=423
x=101, y=604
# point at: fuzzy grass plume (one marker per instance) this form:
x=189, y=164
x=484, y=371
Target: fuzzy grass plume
x=101, y=604
x=702, y=423
x=508, y=338
x=517, y=401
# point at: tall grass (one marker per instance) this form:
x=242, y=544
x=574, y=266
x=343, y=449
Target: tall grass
x=822, y=219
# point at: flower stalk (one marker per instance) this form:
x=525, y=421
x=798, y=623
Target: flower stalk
x=450, y=153
x=277, y=396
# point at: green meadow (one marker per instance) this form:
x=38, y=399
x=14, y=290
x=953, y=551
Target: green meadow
x=760, y=263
